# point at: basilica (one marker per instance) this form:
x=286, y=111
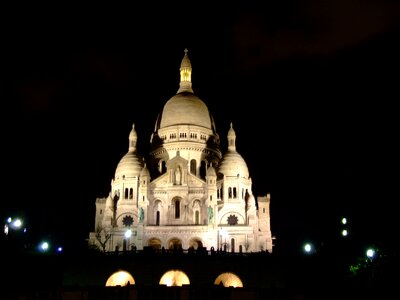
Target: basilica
x=188, y=193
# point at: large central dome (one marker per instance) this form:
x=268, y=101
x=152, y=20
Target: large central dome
x=185, y=108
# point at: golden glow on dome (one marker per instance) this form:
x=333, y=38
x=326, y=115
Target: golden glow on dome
x=186, y=75
x=120, y=278
x=186, y=68
x=228, y=280
x=174, y=278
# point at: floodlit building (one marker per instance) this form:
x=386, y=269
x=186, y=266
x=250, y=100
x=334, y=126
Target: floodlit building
x=188, y=193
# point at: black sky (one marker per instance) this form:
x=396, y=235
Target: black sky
x=311, y=90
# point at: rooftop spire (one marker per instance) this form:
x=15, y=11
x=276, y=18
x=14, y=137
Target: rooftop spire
x=186, y=74
x=132, y=139
x=231, y=138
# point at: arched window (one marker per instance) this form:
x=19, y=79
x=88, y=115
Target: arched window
x=157, y=212
x=229, y=192
x=232, y=245
x=196, y=209
x=131, y=193
x=126, y=194
x=177, y=209
x=234, y=193
x=158, y=218
x=193, y=166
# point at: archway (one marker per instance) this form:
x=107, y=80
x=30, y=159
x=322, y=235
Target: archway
x=174, y=278
x=121, y=278
x=196, y=243
x=155, y=243
x=175, y=244
x=228, y=279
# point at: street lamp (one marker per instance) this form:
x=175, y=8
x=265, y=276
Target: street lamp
x=128, y=234
x=345, y=231
x=13, y=224
x=370, y=253
x=308, y=248
x=44, y=246
x=224, y=234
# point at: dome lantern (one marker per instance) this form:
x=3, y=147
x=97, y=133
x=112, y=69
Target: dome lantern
x=186, y=75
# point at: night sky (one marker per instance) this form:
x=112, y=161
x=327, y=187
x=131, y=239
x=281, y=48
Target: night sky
x=311, y=89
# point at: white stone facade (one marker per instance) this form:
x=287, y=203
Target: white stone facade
x=187, y=194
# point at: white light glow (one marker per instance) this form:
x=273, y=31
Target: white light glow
x=228, y=280
x=224, y=233
x=370, y=253
x=128, y=233
x=17, y=223
x=174, y=278
x=44, y=246
x=120, y=278
x=307, y=248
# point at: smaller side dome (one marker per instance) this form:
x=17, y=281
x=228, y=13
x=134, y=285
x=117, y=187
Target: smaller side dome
x=211, y=171
x=129, y=166
x=232, y=163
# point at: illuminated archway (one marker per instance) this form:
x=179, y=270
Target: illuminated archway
x=155, y=243
x=195, y=243
x=174, y=278
x=121, y=278
x=175, y=244
x=228, y=280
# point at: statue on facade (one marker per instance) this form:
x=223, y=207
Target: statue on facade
x=210, y=214
x=178, y=176
x=141, y=215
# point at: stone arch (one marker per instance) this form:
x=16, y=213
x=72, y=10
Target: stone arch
x=196, y=243
x=228, y=279
x=120, y=278
x=193, y=167
x=154, y=243
x=157, y=212
x=196, y=211
x=175, y=244
x=177, y=203
x=174, y=278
